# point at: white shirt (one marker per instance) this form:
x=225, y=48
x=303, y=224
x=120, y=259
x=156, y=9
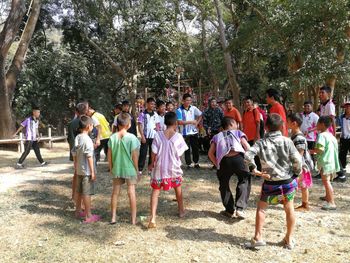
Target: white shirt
x=309, y=122
x=160, y=122
x=328, y=109
x=188, y=115
x=148, y=121
x=345, y=128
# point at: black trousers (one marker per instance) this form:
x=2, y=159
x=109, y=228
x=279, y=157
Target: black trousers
x=103, y=145
x=143, y=153
x=193, y=146
x=228, y=167
x=344, y=149
x=28, y=146
x=256, y=158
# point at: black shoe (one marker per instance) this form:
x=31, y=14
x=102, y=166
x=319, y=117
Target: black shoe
x=340, y=179
x=44, y=163
x=196, y=166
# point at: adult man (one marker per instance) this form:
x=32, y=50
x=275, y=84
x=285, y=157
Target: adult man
x=344, y=148
x=308, y=127
x=212, y=118
x=272, y=98
x=232, y=112
x=146, y=122
x=104, y=132
x=251, y=125
x=189, y=116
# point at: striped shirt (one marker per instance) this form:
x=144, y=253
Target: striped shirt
x=278, y=154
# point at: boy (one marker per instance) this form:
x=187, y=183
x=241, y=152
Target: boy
x=161, y=110
x=227, y=154
x=170, y=106
x=305, y=180
x=272, y=98
x=232, y=112
x=189, y=116
x=326, y=150
x=84, y=170
x=123, y=164
x=32, y=138
x=284, y=165
x=146, y=122
x=344, y=145
x=327, y=107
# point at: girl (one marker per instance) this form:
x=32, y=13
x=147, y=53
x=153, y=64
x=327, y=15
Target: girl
x=227, y=154
x=167, y=148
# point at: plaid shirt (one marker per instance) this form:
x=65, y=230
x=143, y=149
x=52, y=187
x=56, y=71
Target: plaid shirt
x=278, y=153
x=212, y=119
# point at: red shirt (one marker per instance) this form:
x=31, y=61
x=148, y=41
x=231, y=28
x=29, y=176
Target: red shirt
x=250, y=120
x=234, y=114
x=279, y=109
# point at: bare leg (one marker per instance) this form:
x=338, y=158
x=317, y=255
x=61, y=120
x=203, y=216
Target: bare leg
x=74, y=186
x=154, y=205
x=180, y=202
x=132, y=199
x=114, y=200
x=290, y=218
x=77, y=204
x=87, y=204
x=329, y=190
x=260, y=220
x=305, y=195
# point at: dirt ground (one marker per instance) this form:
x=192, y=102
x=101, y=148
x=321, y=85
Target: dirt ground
x=37, y=222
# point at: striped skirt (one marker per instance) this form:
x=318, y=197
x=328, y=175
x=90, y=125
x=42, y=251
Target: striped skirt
x=278, y=193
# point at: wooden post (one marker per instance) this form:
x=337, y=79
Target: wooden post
x=50, y=138
x=21, y=143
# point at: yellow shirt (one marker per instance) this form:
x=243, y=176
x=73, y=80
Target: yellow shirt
x=104, y=125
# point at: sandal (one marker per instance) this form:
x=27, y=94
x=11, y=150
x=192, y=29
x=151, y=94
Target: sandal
x=151, y=225
x=254, y=243
x=286, y=245
x=92, y=219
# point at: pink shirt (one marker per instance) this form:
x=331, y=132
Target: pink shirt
x=169, y=151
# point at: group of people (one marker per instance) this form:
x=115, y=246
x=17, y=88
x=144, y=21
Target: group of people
x=251, y=143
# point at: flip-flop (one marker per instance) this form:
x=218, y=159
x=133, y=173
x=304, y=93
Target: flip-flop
x=254, y=243
x=92, y=219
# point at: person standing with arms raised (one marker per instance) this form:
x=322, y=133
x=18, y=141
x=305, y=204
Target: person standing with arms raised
x=189, y=116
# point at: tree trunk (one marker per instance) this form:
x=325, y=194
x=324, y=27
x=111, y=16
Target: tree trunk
x=213, y=78
x=7, y=36
x=232, y=79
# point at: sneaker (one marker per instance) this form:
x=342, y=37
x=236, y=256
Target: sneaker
x=196, y=166
x=328, y=206
x=340, y=179
x=44, y=163
x=241, y=214
x=19, y=166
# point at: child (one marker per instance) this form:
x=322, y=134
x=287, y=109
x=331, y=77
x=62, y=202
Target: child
x=227, y=154
x=284, y=164
x=170, y=106
x=32, y=138
x=300, y=142
x=123, y=160
x=167, y=148
x=327, y=159
x=161, y=110
x=84, y=170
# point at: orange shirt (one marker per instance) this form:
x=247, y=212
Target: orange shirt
x=279, y=109
x=234, y=114
x=250, y=120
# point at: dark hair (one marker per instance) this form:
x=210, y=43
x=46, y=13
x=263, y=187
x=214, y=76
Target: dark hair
x=326, y=120
x=84, y=121
x=274, y=122
x=150, y=100
x=229, y=99
x=160, y=103
x=118, y=106
x=249, y=98
x=81, y=108
x=168, y=103
x=295, y=117
x=273, y=93
x=125, y=102
x=186, y=95
x=123, y=119
x=170, y=118
x=326, y=89
x=308, y=102
x=34, y=107
x=226, y=122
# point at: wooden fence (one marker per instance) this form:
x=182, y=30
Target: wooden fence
x=21, y=140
